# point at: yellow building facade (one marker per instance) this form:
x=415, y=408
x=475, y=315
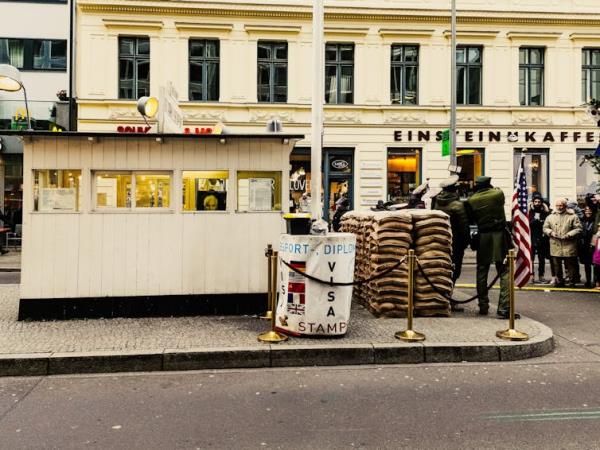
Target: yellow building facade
x=525, y=69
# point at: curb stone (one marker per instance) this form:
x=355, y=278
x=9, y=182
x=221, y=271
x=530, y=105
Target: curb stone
x=258, y=356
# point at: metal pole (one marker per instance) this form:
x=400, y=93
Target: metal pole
x=272, y=335
x=71, y=65
x=511, y=334
x=268, y=254
x=26, y=108
x=409, y=334
x=453, y=158
x=318, y=95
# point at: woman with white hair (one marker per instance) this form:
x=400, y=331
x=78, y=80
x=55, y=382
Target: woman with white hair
x=563, y=227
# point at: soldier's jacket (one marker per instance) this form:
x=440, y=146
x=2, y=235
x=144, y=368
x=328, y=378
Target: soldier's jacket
x=567, y=226
x=450, y=203
x=485, y=208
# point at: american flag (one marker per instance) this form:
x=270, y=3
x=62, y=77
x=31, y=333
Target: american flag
x=520, y=229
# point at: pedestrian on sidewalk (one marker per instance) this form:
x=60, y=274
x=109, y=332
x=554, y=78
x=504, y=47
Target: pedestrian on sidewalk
x=563, y=228
x=485, y=208
x=540, y=245
x=596, y=257
x=585, y=249
x=449, y=202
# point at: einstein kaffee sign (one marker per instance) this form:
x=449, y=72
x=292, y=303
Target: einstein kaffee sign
x=491, y=136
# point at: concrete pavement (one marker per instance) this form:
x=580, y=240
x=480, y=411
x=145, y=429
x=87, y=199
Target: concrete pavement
x=208, y=342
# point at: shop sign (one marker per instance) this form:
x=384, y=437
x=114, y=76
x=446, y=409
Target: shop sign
x=339, y=164
x=203, y=130
x=499, y=136
x=133, y=129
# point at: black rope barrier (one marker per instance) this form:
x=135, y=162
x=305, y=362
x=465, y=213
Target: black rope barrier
x=446, y=296
x=351, y=283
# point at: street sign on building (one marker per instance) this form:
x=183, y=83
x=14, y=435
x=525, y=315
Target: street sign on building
x=170, y=116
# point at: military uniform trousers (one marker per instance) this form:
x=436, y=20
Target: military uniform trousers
x=482, y=282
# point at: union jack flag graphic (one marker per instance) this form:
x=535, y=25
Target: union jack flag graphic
x=296, y=289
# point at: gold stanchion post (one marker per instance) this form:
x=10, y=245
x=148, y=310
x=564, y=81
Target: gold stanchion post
x=511, y=334
x=273, y=336
x=409, y=334
x=269, y=313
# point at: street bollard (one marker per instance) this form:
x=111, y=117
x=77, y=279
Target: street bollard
x=511, y=334
x=273, y=336
x=409, y=334
x=269, y=313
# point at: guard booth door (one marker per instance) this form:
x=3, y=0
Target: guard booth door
x=338, y=171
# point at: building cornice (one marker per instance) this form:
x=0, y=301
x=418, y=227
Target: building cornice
x=404, y=33
x=345, y=14
x=474, y=34
x=198, y=26
x=135, y=24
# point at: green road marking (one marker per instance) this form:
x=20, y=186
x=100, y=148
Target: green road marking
x=547, y=416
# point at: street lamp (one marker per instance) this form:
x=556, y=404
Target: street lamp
x=10, y=81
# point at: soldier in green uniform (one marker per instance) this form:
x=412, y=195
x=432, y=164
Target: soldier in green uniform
x=486, y=209
x=449, y=202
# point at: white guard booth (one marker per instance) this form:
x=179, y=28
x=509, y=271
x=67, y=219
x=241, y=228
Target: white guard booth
x=141, y=224
x=308, y=307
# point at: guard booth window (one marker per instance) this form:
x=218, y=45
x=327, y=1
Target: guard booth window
x=403, y=173
x=472, y=162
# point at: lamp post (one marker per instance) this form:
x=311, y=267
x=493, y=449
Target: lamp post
x=318, y=95
x=453, y=158
x=10, y=81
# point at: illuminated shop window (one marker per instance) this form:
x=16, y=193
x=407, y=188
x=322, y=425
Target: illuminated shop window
x=536, y=170
x=403, y=173
x=56, y=190
x=126, y=189
x=259, y=191
x=205, y=190
x=472, y=162
x=585, y=176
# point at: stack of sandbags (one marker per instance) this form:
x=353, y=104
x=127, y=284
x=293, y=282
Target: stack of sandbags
x=382, y=239
x=433, y=248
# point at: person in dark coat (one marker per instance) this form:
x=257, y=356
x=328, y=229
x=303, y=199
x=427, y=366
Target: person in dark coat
x=449, y=202
x=538, y=212
x=585, y=249
x=342, y=208
x=486, y=209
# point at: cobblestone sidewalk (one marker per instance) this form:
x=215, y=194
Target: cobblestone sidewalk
x=158, y=334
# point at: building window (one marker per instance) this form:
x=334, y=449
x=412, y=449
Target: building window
x=205, y=190
x=127, y=189
x=56, y=190
x=204, y=70
x=34, y=54
x=404, y=79
x=50, y=54
x=537, y=171
x=339, y=73
x=272, y=72
x=134, y=67
x=585, y=176
x=403, y=173
x=468, y=75
x=531, y=76
x=471, y=160
x=590, y=74
x=259, y=191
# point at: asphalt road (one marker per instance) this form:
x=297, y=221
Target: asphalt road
x=547, y=403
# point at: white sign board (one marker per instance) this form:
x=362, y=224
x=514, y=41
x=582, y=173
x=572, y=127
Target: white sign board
x=58, y=199
x=307, y=307
x=170, y=116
